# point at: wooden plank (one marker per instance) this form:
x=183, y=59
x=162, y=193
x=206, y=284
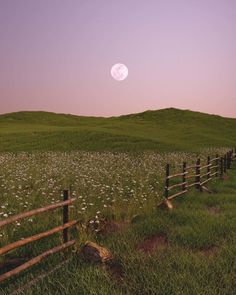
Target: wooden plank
x=35, y=212
x=205, y=166
x=215, y=166
x=177, y=194
x=176, y=175
x=36, y=237
x=35, y=260
x=212, y=160
x=177, y=185
x=207, y=190
x=191, y=167
x=192, y=184
x=190, y=176
x=212, y=174
x=206, y=174
x=205, y=181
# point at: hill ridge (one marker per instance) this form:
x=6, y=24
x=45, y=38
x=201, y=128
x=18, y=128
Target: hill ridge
x=162, y=130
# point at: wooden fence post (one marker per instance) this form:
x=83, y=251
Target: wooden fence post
x=184, y=177
x=217, y=164
x=65, y=215
x=221, y=167
x=208, y=167
x=225, y=163
x=198, y=177
x=228, y=160
x=167, y=181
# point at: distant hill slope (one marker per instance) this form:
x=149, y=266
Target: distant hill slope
x=162, y=130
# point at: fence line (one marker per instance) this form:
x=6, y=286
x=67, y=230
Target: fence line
x=214, y=167
x=64, y=228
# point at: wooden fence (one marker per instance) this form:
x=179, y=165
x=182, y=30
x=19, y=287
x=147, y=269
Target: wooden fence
x=64, y=228
x=197, y=175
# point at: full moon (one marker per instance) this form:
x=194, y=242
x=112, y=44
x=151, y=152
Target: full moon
x=119, y=72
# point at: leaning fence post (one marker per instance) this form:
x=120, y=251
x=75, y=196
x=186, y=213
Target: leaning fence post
x=197, y=178
x=65, y=215
x=167, y=181
x=184, y=176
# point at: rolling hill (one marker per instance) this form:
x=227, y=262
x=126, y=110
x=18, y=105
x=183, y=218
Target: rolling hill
x=163, y=130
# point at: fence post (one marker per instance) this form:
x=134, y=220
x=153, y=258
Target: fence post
x=217, y=164
x=198, y=177
x=208, y=167
x=225, y=163
x=167, y=181
x=228, y=160
x=221, y=167
x=184, y=176
x=65, y=215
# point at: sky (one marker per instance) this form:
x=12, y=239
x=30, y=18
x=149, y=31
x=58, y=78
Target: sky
x=57, y=55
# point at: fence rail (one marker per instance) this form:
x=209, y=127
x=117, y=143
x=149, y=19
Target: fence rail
x=204, y=173
x=64, y=228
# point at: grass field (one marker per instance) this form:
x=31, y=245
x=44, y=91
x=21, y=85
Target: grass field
x=116, y=167
x=190, y=250
x=163, y=130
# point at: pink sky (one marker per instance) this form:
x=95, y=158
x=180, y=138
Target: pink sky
x=56, y=55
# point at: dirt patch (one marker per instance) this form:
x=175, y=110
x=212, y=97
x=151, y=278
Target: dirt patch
x=213, y=210
x=153, y=243
x=208, y=252
x=225, y=177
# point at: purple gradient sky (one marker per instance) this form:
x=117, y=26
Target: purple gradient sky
x=56, y=55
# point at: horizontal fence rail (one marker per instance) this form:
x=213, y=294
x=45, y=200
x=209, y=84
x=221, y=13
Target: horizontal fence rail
x=204, y=172
x=64, y=228
x=35, y=212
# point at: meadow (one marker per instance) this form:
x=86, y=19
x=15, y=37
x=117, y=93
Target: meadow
x=121, y=188
x=115, y=167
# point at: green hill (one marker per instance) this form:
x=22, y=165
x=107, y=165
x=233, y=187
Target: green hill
x=162, y=130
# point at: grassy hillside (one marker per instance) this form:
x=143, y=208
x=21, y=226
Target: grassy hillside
x=163, y=130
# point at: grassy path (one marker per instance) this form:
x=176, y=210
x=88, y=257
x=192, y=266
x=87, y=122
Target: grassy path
x=191, y=250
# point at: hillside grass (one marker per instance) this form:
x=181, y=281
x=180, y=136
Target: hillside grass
x=163, y=130
x=199, y=257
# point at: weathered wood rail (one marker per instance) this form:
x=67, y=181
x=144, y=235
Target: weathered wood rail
x=197, y=175
x=64, y=228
